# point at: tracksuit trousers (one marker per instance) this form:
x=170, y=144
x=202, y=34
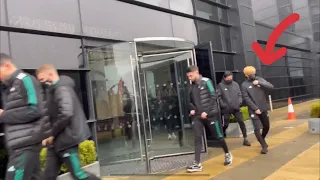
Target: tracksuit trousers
x=238, y=117
x=261, y=121
x=71, y=159
x=24, y=164
x=214, y=127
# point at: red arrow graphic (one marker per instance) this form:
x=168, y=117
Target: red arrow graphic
x=268, y=56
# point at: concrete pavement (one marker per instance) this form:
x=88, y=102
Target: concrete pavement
x=294, y=154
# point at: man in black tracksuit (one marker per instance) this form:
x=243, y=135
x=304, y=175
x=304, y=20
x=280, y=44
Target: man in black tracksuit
x=24, y=119
x=68, y=122
x=204, y=111
x=254, y=93
x=230, y=99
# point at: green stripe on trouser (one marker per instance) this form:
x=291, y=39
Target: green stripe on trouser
x=18, y=175
x=81, y=174
x=218, y=129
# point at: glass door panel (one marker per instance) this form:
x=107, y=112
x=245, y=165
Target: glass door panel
x=115, y=99
x=163, y=83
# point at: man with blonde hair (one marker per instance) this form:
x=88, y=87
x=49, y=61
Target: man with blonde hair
x=24, y=119
x=254, y=91
x=68, y=123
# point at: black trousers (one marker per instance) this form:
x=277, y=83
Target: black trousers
x=238, y=116
x=261, y=121
x=71, y=159
x=24, y=164
x=215, y=129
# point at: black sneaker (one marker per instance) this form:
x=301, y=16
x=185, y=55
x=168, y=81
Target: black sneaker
x=228, y=159
x=264, y=150
x=246, y=142
x=194, y=168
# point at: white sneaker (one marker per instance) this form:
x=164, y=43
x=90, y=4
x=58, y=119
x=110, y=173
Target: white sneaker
x=174, y=136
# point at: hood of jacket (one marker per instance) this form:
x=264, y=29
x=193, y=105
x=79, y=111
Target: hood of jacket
x=65, y=81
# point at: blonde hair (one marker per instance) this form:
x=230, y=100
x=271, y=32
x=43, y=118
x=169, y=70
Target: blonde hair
x=249, y=70
x=46, y=68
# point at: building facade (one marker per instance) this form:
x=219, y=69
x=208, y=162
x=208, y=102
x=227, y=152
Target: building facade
x=86, y=40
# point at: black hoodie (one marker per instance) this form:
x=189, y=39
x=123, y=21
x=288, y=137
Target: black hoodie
x=230, y=96
x=69, y=126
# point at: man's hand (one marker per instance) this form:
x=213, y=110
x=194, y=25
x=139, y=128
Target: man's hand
x=258, y=111
x=47, y=141
x=192, y=112
x=204, y=115
x=1, y=111
x=255, y=82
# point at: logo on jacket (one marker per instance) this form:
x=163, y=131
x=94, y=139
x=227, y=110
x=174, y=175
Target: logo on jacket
x=226, y=89
x=11, y=169
x=250, y=86
x=12, y=89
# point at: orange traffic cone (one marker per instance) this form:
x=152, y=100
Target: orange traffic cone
x=291, y=114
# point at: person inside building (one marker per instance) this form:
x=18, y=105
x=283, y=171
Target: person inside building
x=204, y=111
x=230, y=99
x=68, y=123
x=24, y=120
x=254, y=91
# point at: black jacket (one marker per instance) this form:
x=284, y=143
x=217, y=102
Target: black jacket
x=230, y=96
x=25, y=114
x=202, y=97
x=255, y=96
x=69, y=126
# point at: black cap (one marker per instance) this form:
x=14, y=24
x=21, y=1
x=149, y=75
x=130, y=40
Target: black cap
x=227, y=73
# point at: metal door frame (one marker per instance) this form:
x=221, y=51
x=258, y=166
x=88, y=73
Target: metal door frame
x=148, y=141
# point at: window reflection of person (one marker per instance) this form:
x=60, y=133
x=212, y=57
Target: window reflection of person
x=127, y=109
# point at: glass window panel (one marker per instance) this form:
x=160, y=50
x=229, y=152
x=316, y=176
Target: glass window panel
x=282, y=3
x=302, y=25
x=285, y=10
x=280, y=62
x=265, y=13
x=316, y=27
x=316, y=36
x=246, y=2
x=314, y=2
x=184, y=28
x=273, y=21
x=210, y=32
x=269, y=71
x=184, y=6
x=55, y=16
x=229, y=63
x=159, y=3
x=315, y=10
x=3, y=15
x=247, y=14
x=296, y=4
x=208, y=11
x=294, y=62
x=37, y=50
x=315, y=18
x=226, y=39
x=303, y=12
x=295, y=72
x=221, y=1
x=249, y=35
x=132, y=21
x=278, y=81
x=219, y=62
x=4, y=43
